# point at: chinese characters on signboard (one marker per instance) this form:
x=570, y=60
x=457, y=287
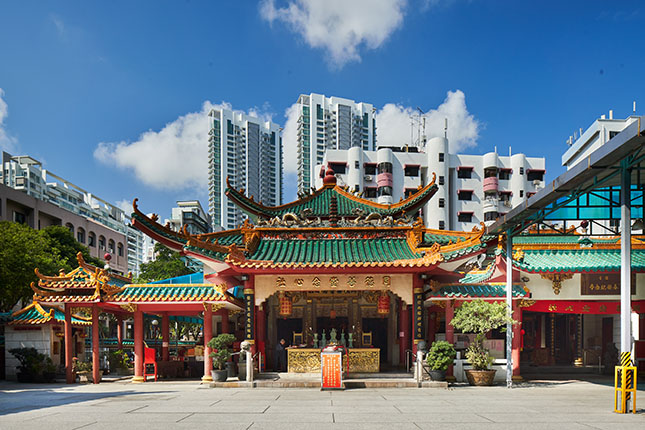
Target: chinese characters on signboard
x=332, y=370
x=594, y=284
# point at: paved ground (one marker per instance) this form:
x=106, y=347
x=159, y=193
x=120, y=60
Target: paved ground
x=162, y=405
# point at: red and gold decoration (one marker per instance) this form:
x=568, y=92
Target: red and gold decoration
x=286, y=305
x=383, y=304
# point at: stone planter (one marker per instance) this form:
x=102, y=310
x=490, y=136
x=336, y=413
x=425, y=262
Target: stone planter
x=241, y=371
x=219, y=375
x=480, y=377
x=437, y=375
x=230, y=368
x=87, y=376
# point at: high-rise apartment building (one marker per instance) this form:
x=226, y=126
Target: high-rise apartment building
x=472, y=188
x=247, y=151
x=327, y=123
x=189, y=213
x=97, y=224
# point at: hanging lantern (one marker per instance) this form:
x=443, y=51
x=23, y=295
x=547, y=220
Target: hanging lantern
x=383, y=304
x=332, y=313
x=286, y=306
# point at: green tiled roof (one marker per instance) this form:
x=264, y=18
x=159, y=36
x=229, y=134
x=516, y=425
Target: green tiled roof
x=441, y=239
x=333, y=250
x=577, y=260
x=33, y=316
x=157, y=292
x=319, y=202
x=483, y=291
x=157, y=228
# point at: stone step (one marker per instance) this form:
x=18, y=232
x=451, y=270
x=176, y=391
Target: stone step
x=315, y=383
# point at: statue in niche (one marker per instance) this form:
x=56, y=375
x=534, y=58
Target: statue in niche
x=332, y=336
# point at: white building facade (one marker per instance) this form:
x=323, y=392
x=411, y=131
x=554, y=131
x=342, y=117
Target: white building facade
x=472, y=188
x=248, y=151
x=330, y=123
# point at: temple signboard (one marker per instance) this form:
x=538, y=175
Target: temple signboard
x=331, y=370
x=601, y=284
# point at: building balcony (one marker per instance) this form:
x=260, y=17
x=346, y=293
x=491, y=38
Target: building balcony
x=490, y=205
x=491, y=184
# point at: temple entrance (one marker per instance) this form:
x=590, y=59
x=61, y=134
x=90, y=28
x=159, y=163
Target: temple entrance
x=378, y=328
x=286, y=327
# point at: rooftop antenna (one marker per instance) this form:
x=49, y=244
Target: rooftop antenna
x=445, y=128
x=634, y=107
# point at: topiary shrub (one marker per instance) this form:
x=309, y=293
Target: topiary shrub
x=441, y=355
x=34, y=366
x=220, y=345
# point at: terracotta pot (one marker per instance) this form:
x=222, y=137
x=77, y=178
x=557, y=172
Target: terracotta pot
x=480, y=377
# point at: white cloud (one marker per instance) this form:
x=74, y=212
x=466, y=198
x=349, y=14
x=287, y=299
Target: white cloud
x=173, y=158
x=290, y=140
x=58, y=23
x=393, y=123
x=125, y=205
x=340, y=27
x=7, y=142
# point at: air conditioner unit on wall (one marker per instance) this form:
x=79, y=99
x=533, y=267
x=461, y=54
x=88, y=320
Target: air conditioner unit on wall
x=508, y=204
x=536, y=182
x=367, y=178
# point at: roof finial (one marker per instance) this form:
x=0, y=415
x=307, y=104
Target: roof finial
x=330, y=177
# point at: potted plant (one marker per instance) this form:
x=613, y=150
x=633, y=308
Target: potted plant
x=120, y=362
x=221, y=353
x=440, y=356
x=84, y=370
x=480, y=317
x=34, y=366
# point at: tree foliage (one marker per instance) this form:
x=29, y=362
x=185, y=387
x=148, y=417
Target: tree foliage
x=480, y=317
x=22, y=249
x=167, y=264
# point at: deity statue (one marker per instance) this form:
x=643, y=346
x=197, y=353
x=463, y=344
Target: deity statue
x=315, y=340
x=351, y=341
x=342, y=338
x=332, y=336
x=323, y=343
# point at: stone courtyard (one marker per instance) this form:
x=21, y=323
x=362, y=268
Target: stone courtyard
x=165, y=405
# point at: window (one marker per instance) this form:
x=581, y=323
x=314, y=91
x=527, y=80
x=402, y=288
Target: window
x=101, y=242
x=442, y=203
x=370, y=169
x=19, y=217
x=384, y=191
x=385, y=167
x=356, y=164
x=521, y=170
x=612, y=134
x=412, y=171
x=119, y=249
x=70, y=227
x=465, y=216
x=357, y=188
x=91, y=239
x=338, y=168
x=464, y=172
x=111, y=246
x=530, y=193
x=490, y=172
x=535, y=175
x=490, y=216
x=80, y=235
x=505, y=174
x=409, y=192
x=521, y=193
x=370, y=193
x=465, y=194
x=441, y=180
x=442, y=225
x=441, y=157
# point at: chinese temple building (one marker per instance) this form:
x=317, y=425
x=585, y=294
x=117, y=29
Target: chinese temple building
x=333, y=267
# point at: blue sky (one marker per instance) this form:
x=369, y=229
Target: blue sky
x=83, y=80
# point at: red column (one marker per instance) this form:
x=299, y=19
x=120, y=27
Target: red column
x=208, y=335
x=224, y=314
x=165, y=336
x=138, y=347
x=69, y=372
x=250, y=326
x=262, y=331
x=450, y=330
x=119, y=331
x=517, y=340
x=95, y=344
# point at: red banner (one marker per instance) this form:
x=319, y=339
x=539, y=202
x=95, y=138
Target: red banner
x=332, y=370
x=582, y=306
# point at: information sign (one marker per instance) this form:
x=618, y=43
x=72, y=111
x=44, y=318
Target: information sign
x=331, y=370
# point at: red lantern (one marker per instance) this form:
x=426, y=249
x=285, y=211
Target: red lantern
x=286, y=306
x=332, y=314
x=383, y=304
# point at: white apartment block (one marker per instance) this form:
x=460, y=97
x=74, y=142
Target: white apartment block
x=24, y=173
x=189, y=213
x=330, y=123
x=472, y=188
x=248, y=151
x=600, y=132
